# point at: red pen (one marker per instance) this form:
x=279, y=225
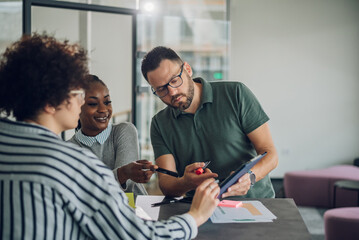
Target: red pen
x=200, y=170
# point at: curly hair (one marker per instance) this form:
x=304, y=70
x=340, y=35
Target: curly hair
x=153, y=58
x=38, y=70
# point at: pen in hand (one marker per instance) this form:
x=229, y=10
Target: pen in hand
x=168, y=172
x=164, y=202
x=173, y=200
x=164, y=171
x=200, y=170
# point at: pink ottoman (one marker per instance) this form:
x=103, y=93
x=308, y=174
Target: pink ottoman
x=342, y=223
x=315, y=187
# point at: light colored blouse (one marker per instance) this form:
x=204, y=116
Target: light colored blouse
x=116, y=146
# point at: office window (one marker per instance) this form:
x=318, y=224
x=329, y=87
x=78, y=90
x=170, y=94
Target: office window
x=10, y=19
x=132, y=4
x=197, y=30
x=10, y=23
x=108, y=39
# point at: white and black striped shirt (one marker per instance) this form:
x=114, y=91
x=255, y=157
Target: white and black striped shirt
x=50, y=189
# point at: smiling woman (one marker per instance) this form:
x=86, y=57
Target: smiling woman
x=116, y=145
x=97, y=111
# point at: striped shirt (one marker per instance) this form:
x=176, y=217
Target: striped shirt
x=50, y=189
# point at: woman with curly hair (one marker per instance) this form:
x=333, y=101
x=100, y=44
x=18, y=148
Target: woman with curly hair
x=53, y=189
x=116, y=145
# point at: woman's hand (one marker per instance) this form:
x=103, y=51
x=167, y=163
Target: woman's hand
x=204, y=201
x=139, y=171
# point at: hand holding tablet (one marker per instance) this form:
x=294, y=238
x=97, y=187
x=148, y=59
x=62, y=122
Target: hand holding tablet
x=240, y=171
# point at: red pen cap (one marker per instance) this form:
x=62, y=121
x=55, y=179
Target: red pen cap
x=199, y=171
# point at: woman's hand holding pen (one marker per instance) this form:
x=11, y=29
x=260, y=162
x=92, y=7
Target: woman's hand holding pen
x=134, y=171
x=192, y=180
x=204, y=201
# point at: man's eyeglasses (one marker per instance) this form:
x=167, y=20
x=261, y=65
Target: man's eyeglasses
x=80, y=93
x=175, y=82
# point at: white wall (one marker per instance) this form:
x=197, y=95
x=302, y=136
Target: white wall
x=301, y=59
x=111, y=56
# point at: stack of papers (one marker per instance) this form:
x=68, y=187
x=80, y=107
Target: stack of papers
x=251, y=211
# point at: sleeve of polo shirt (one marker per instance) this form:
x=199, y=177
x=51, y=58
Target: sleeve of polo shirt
x=251, y=113
x=159, y=146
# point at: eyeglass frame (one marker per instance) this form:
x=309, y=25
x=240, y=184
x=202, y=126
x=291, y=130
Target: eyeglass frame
x=168, y=83
x=79, y=92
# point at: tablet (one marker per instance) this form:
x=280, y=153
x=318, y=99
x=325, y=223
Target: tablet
x=243, y=169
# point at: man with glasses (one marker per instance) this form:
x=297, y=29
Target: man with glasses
x=221, y=122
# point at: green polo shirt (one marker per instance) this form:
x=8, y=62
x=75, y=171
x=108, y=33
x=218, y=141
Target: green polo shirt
x=217, y=132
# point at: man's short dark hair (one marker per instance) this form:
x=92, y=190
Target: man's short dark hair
x=153, y=58
x=39, y=70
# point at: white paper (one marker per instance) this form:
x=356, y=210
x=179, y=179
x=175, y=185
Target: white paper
x=145, y=201
x=142, y=214
x=242, y=214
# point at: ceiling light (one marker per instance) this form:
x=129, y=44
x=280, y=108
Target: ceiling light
x=149, y=7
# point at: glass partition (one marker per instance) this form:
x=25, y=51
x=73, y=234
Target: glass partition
x=108, y=40
x=10, y=19
x=197, y=30
x=10, y=23
x=131, y=4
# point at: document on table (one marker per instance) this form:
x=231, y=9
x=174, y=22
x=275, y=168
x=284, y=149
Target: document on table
x=145, y=201
x=251, y=211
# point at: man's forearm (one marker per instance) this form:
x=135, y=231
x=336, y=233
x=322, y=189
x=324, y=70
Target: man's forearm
x=174, y=187
x=266, y=165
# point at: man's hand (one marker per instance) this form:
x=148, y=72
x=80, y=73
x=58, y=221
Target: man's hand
x=240, y=188
x=192, y=180
x=139, y=171
x=176, y=187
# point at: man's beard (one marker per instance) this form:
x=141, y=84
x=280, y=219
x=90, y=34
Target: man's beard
x=189, y=98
